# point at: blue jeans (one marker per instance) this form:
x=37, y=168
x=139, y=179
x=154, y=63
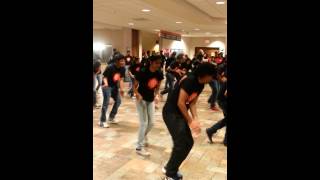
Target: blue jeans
x=107, y=93
x=146, y=117
x=214, y=95
x=94, y=90
x=170, y=80
x=99, y=79
x=131, y=87
x=127, y=77
x=222, y=123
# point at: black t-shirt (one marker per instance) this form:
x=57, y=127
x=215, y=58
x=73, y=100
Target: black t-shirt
x=148, y=81
x=128, y=60
x=145, y=61
x=185, y=66
x=113, y=74
x=175, y=64
x=163, y=59
x=192, y=87
x=169, y=61
x=134, y=68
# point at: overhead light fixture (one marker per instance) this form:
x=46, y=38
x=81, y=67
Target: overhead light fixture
x=157, y=30
x=145, y=10
x=130, y=24
x=178, y=22
x=98, y=46
x=196, y=29
x=220, y=2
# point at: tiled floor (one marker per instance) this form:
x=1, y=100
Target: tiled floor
x=114, y=155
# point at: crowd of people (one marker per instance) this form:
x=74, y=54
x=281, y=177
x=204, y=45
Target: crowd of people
x=184, y=81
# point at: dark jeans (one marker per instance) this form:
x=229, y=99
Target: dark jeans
x=214, y=87
x=182, y=140
x=94, y=90
x=107, y=93
x=222, y=123
x=94, y=98
x=170, y=81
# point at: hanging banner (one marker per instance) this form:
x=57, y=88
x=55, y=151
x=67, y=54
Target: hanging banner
x=170, y=35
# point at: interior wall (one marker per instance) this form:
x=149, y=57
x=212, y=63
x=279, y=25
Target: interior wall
x=189, y=44
x=119, y=39
x=148, y=40
x=201, y=42
x=111, y=37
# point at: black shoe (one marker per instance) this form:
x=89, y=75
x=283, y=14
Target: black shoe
x=209, y=136
x=164, y=170
x=173, y=178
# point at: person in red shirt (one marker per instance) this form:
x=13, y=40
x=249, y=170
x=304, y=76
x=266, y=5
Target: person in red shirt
x=218, y=59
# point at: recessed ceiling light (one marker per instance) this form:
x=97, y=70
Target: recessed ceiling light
x=196, y=29
x=178, y=22
x=130, y=24
x=157, y=30
x=145, y=10
x=220, y=2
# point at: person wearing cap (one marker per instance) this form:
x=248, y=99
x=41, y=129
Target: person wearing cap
x=112, y=82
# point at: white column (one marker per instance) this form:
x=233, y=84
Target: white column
x=140, y=45
x=127, y=40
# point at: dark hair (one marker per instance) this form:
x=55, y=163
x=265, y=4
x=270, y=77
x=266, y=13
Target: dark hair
x=154, y=58
x=118, y=56
x=180, y=56
x=204, y=69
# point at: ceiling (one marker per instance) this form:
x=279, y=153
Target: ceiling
x=200, y=18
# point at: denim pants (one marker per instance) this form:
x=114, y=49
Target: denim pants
x=99, y=80
x=94, y=90
x=131, y=93
x=107, y=93
x=146, y=117
x=222, y=123
x=215, y=89
x=170, y=80
x=182, y=139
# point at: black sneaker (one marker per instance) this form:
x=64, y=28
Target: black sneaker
x=164, y=170
x=209, y=137
x=173, y=178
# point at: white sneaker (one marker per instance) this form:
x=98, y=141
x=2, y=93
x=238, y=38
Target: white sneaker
x=104, y=124
x=143, y=152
